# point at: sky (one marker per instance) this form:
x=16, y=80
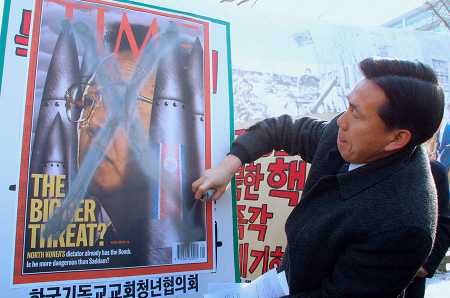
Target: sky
x=342, y=12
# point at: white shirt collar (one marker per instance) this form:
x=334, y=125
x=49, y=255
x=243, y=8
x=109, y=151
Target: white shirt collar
x=353, y=166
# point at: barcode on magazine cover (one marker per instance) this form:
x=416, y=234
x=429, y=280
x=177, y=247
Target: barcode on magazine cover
x=189, y=252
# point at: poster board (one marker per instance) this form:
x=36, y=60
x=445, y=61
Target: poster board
x=121, y=106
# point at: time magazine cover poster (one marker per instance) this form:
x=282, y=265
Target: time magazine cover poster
x=116, y=130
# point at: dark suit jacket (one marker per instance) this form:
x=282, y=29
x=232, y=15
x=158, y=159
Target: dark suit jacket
x=362, y=233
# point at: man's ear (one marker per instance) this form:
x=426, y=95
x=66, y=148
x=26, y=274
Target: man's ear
x=400, y=139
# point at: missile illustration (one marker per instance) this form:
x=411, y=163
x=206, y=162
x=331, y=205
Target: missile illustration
x=172, y=135
x=62, y=74
x=169, y=120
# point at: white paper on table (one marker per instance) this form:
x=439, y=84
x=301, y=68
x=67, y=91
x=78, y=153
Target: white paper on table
x=269, y=285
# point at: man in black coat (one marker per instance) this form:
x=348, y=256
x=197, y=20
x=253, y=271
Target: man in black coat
x=417, y=288
x=367, y=217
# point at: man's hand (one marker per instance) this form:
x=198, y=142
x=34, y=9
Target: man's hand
x=217, y=178
x=422, y=272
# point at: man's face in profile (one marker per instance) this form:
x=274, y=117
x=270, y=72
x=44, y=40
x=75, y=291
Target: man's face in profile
x=363, y=135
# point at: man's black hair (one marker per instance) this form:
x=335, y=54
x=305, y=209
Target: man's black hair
x=415, y=98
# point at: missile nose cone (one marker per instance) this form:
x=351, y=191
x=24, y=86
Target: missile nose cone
x=169, y=82
x=62, y=74
x=63, y=71
x=195, y=77
x=172, y=28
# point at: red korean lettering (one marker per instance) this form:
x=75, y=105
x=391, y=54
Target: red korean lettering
x=277, y=173
x=252, y=180
x=280, y=153
x=241, y=220
x=291, y=196
x=260, y=228
x=239, y=179
x=262, y=213
x=276, y=256
x=297, y=175
x=243, y=259
x=23, y=37
x=261, y=257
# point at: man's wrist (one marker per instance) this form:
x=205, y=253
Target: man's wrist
x=231, y=164
x=240, y=152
